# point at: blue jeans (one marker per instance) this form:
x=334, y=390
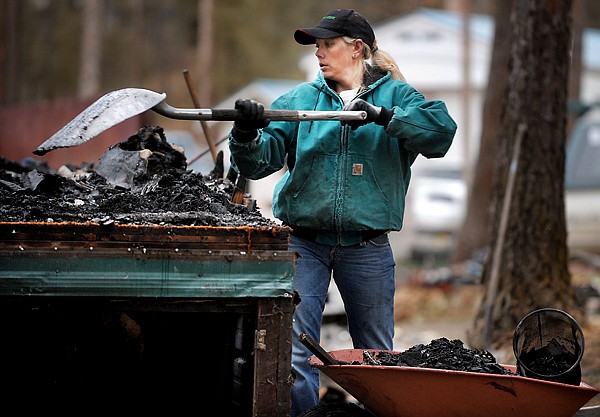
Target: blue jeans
x=364, y=275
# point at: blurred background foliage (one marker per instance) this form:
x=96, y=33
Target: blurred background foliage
x=148, y=43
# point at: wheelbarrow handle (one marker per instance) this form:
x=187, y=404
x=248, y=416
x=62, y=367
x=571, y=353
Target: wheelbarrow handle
x=165, y=109
x=318, y=351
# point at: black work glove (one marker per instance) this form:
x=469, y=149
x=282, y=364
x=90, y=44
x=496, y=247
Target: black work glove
x=253, y=112
x=377, y=115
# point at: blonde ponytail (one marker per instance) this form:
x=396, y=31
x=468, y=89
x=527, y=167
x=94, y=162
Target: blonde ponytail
x=385, y=61
x=379, y=59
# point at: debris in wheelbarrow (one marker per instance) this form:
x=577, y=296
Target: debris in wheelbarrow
x=439, y=354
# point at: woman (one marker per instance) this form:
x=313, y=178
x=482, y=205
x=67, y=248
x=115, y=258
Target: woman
x=346, y=182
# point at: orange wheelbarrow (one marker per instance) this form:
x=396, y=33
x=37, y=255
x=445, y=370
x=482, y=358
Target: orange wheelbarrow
x=402, y=391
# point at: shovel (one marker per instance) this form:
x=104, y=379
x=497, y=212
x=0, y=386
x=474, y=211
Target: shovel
x=119, y=105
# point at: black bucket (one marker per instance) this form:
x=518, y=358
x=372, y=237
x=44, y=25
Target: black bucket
x=548, y=344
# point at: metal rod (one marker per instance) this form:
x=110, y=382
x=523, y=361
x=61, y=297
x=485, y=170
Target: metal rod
x=492, y=289
x=205, y=129
x=165, y=109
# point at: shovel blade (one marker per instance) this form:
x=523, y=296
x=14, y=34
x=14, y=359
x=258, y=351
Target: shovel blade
x=106, y=112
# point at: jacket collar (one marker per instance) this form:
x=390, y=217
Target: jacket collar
x=370, y=77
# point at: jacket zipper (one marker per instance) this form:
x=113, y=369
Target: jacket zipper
x=341, y=180
x=343, y=170
x=341, y=174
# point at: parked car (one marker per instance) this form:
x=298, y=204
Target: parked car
x=437, y=209
x=439, y=196
x=582, y=184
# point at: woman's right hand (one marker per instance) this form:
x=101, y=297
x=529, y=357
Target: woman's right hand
x=253, y=114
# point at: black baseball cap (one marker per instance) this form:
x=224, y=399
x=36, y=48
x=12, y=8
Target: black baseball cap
x=338, y=22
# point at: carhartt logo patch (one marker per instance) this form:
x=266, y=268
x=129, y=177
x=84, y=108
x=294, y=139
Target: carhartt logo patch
x=357, y=169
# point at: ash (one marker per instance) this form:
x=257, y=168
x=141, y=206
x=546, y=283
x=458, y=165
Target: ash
x=440, y=354
x=143, y=180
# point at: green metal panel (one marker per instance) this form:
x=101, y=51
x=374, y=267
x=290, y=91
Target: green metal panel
x=229, y=276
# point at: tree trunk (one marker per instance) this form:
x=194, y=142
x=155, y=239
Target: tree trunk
x=9, y=38
x=579, y=21
x=89, y=76
x=531, y=263
x=574, y=92
x=474, y=235
x=205, y=51
x=138, y=29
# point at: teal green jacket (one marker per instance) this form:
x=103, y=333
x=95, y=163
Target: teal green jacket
x=338, y=180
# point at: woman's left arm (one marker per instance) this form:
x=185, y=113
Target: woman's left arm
x=425, y=126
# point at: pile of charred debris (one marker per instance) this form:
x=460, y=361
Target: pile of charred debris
x=440, y=353
x=142, y=180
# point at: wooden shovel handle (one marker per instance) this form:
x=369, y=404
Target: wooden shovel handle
x=207, y=133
